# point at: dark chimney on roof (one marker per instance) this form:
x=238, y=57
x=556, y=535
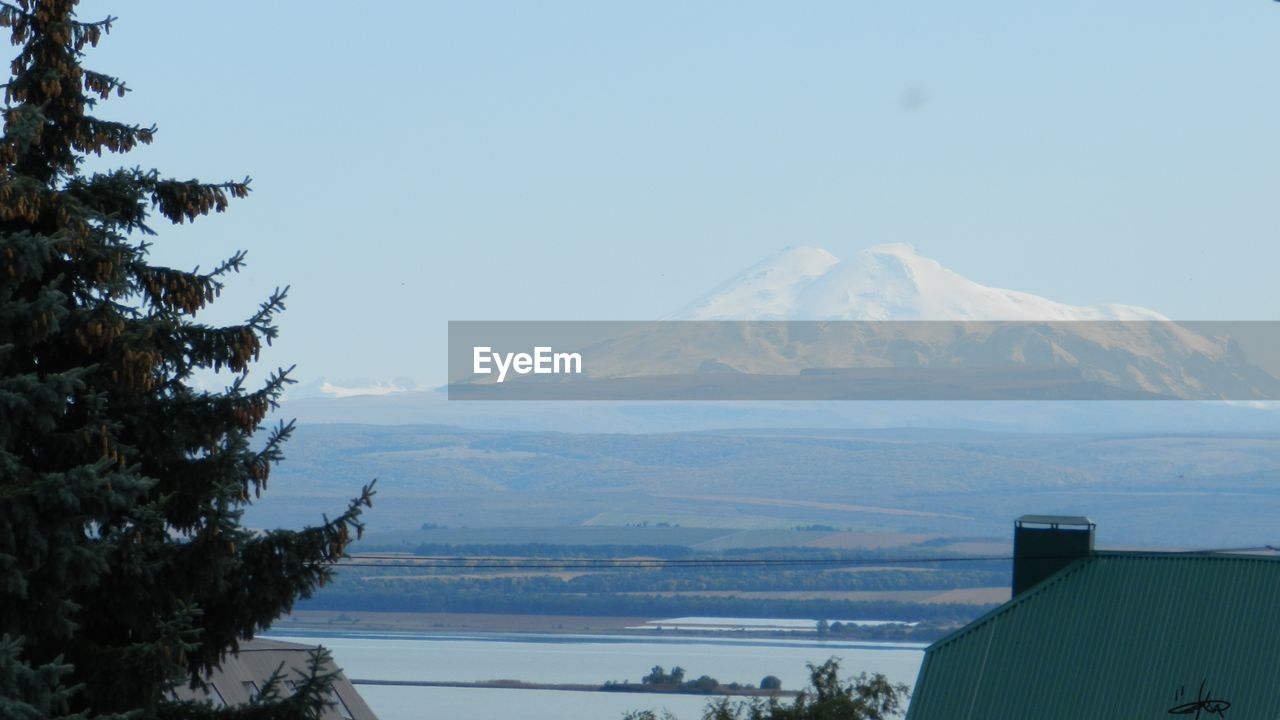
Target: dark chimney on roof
x=1044, y=544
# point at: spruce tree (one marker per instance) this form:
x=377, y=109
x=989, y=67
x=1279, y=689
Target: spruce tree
x=124, y=564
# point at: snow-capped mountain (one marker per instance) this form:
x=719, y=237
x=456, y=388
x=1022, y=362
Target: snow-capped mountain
x=885, y=282
x=975, y=327
x=323, y=387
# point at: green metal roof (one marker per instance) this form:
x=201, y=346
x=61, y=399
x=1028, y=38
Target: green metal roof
x=1118, y=635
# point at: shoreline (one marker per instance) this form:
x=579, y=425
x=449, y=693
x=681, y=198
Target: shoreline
x=325, y=621
x=445, y=623
x=720, y=691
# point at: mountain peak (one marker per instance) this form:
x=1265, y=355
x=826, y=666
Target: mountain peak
x=799, y=259
x=766, y=290
x=883, y=282
x=901, y=249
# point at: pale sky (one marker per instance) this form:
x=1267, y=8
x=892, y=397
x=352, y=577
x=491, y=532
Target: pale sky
x=417, y=162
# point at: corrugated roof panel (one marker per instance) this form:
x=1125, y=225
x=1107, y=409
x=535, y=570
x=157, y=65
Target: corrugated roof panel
x=1120, y=635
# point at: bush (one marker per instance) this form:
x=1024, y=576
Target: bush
x=865, y=697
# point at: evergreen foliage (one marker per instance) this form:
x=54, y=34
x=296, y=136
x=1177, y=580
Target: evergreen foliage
x=124, y=566
x=827, y=697
x=865, y=697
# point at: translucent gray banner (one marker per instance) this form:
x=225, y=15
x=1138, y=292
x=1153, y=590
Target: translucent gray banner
x=864, y=360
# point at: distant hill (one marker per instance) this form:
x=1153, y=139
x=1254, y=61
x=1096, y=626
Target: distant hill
x=1141, y=488
x=434, y=408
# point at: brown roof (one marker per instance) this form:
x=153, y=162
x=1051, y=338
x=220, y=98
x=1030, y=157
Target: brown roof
x=243, y=674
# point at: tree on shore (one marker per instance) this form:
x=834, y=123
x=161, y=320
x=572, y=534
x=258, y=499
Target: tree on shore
x=659, y=676
x=124, y=564
x=865, y=697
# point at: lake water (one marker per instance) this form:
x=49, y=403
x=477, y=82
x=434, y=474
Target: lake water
x=557, y=658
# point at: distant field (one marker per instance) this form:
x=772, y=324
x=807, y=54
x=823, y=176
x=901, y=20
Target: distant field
x=973, y=596
x=730, y=536
x=419, y=622
x=571, y=535
x=979, y=547
x=962, y=596
x=724, y=521
x=784, y=578
x=850, y=540
x=467, y=576
x=825, y=506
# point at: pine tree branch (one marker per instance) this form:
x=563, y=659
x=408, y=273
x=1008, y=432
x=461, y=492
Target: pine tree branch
x=261, y=321
x=96, y=135
x=184, y=201
x=104, y=85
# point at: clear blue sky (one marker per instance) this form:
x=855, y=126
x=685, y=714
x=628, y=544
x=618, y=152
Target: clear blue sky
x=416, y=162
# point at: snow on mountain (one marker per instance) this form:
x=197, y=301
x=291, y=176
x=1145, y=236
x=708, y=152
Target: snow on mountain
x=884, y=282
x=1121, y=346
x=768, y=290
x=349, y=387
